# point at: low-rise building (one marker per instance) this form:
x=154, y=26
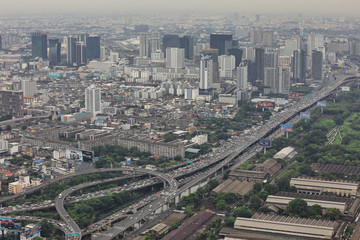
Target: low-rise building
x=200, y=139
x=15, y=187
x=319, y=186
x=286, y=153
x=234, y=186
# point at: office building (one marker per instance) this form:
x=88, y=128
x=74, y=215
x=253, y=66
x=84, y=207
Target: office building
x=284, y=83
x=171, y=41
x=267, y=38
x=28, y=87
x=187, y=43
x=271, y=58
x=291, y=45
x=299, y=66
x=144, y=50
x=175, y=58
x=93, y=47
x=317, y=65
x=255, y=36
x=0, y=42
x=271, y=78
x=71, y=50
x=227, y=65
x=155, y=42
x=221, y=42
x=83, y=38
x=209, y=69
x=93, y=100
x=12, y=103
x=39, y=45
x=260, y=64
x=242, y=76
x=54, y=52
x=237, y=53
x=80, y=53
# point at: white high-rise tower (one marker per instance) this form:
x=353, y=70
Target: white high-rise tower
x=93, y=100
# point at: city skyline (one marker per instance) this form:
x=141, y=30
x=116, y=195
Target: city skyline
x=320, y=7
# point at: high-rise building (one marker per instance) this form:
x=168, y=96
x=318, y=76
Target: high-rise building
x=83, y=38
x=255, y=36
x=155, y=42
x=12, y=103
x=39, y=45
x=267, y=38
x=0, y=42
x=175, y=58
x=80, y=53
x=171, y=41
x=237, y=53
x=242, y=76
x=93, y=100
x=144, y=50
x=93, y=47
x=283, y=85
x=260, y=64
x=221, y=42
x=290, y=46
x=271, y=78
x=210, y=62
x=299, y=66
x=227, y=65
x=102, y=52
x=54, y=52
x=187, y=43
x=317, y=65
x=271, y=58
x=28, y=87
x=71, y=50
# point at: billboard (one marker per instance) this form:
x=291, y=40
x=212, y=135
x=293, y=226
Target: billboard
x=264, y=143
x=345, y=89
x=297, y=95
x=321, y=104
x=266, y=104
x=206, y=56
x=79, y=155
x=32, y=230
x=305, y=115
x=286, y=128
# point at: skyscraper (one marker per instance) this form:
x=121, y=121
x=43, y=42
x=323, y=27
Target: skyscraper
x=39, y=45
x=317, y=66
x=71, y=50
x=83, y=38
x=284, y=80
x=80, y=53
x=260, y=64
x=242, y=76
x=221, y=42
x=93, y=100
x=227, y=65
x=209, y=68
x=155, y=42
x=144, y=51
x=54, y=51
x=271, y=78
x=12, y=103
x=299, y=66
x=0, y=42
x=172, y=41
x=271, y=58
x=187, y=43
x=93, y=47
x=237, y=53
x=28, y=87
x=175, y=58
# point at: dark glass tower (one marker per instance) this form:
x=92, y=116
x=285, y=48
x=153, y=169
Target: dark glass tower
x=187, y=43
x=237, y=53
x=54, y=52
x=93, y=47
x=71, y=48
x=39, y=45
x=317, y=66
x=260, y=64
x=172, y=41
x=222, y=42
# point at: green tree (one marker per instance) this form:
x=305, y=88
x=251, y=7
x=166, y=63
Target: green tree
x=46, y=228
x=242, y=212
x=333, y=213
x=315, y=211
x=229, y=222
x=263, y=195
x=255, y=202
x=213, y=183
x=271, y=189
x=257, y=187
x=222, y=205
x=283, y=183
x=169, y=137
x=297, y=207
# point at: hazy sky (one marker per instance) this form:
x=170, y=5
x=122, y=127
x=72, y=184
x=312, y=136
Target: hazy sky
x=313, y=7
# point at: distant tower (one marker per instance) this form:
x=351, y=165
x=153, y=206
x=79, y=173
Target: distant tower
x=260, y=64
x=242, y=76
x=155, y=42
x=299, y=66
x=54, y=52
x=0, y=42
x=187, y=43
x=93, y=47
x=144, y=45
x=317, y=66
x=71, y=48
x=93, y=100
x=222, y=42
x=39, y=45
x=175, y=58
x=172, y=41
x=80, y=53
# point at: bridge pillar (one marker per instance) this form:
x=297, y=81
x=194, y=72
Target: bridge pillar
x=164, y=184
x=177, y=199
x=165, y=207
